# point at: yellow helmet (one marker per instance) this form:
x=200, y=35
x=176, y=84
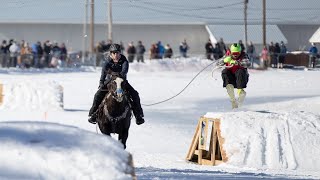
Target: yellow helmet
x=235, y=48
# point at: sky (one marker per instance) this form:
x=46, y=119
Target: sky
x=164, y=11
x=275, y=134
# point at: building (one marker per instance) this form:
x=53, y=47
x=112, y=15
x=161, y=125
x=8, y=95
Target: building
x=166, y=21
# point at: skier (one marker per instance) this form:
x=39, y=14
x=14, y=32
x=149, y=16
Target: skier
x=116, y=62
x=235, y=75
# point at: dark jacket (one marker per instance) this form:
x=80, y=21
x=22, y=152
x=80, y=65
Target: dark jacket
x=121, y=67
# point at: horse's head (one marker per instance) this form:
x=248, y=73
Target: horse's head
x=115, y=88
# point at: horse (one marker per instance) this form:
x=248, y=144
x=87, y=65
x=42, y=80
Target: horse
x=114, y=113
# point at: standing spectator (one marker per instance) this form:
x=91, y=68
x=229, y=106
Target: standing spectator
x=243, y=48
x=209, y=50
x=40, y=54
x=160, y=50
x=264, y=58
x=168, y=51
x=313, y=54
x=99, y=51
x=64, y=53
x=14, y=51
x=140, y=52
x=184, y=48
x=4, y=51
x=47, y=52
x=56, y=55
x=273, y=60
x=35, y=58
x=222, y=46
x=121, y=47
x=26, y=53
x=282, y=55
x=131, y=52
x=153, y=51
x=251, y=51
x=277, y=53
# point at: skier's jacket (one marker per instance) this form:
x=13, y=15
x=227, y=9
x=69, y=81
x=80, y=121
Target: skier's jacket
x=236, y=63
x=121, y=67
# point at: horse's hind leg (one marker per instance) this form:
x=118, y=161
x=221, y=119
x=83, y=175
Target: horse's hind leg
x=123, y=136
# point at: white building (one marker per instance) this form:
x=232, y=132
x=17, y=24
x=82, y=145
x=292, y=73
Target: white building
x=291, y=21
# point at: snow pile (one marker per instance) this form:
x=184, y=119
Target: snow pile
x=32, y=95
x=36, y=150
x=272, y=140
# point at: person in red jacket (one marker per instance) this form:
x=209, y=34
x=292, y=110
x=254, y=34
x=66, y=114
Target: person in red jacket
x=235, y=75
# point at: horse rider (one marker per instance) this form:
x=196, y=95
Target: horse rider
x=235, y=75
x=116, y=63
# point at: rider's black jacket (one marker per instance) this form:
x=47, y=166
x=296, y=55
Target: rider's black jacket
x=121, y=67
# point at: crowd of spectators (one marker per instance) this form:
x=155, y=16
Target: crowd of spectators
x=23, y=55
x=51, y=54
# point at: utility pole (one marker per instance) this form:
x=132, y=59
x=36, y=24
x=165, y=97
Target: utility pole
x=264, y=29
x=84, y=40
x=245, y=23
x=92, y=28
x=110, y=20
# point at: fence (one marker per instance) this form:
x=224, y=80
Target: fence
x=76, y=59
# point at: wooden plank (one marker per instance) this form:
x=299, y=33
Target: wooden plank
x=214, y=143
x=217, y=162
x=194, y=142
x=206, y=162
x=221, y=142
x=203, y=133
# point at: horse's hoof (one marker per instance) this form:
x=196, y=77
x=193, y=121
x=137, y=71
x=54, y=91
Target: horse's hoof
x=92, y=120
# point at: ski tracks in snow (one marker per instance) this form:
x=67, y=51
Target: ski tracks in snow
x=270, y=140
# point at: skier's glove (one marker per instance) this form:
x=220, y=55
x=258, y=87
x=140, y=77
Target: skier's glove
x=233, y=62
x=245, y=63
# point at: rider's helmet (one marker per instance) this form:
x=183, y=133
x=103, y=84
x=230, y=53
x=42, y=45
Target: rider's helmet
x=235, y=50
x=115, y=48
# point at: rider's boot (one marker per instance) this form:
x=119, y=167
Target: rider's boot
x=137, y=111
x=230, y=91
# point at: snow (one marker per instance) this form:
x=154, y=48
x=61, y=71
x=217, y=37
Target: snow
x=274, y=135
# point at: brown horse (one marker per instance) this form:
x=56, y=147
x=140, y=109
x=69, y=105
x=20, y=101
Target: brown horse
x=114, y=113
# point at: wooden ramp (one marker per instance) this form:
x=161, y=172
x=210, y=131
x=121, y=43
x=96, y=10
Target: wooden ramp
x=207, y=144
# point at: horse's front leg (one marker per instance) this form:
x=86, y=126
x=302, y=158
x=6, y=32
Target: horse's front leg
x=104, y=128
x=123, y=136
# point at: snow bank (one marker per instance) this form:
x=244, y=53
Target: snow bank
x=272, y=140
x=37, y=150
x=32, y=95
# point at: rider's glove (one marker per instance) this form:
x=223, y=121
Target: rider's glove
x=245, y=63
x=233, y=62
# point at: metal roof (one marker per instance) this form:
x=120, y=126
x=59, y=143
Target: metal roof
x=234, y=33
x=164, y=11
x=315, y=38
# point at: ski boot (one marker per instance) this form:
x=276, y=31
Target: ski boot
x=230, y=91
x=242, y=95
